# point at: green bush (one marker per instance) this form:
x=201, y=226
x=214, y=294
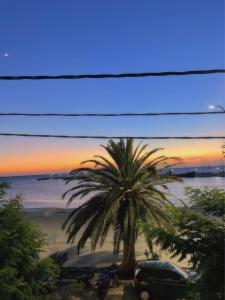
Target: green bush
x=199, y=236
x=23, y=275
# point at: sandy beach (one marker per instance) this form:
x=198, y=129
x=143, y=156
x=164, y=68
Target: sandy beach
x=49, y=221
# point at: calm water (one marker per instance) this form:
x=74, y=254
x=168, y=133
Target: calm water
x=48, y=193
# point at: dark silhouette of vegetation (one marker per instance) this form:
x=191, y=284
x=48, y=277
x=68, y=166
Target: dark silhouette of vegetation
x=124, y=186
x=198, y=236
x=22, y=274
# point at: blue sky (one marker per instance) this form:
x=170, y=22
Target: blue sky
x=63, y=37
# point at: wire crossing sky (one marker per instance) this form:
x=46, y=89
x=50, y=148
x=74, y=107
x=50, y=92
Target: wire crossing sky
x=148, y=114
x=101, y=37
x=112, y=137
x=122, y=75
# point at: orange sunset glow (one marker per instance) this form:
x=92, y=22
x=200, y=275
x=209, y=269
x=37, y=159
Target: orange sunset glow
x=38, y=158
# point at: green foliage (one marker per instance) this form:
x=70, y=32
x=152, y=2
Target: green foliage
x=122, y=189
x=22, y=273
x=211, y=201
x=200, y=238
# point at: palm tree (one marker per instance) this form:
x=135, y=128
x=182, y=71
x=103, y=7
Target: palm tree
x=122, y=189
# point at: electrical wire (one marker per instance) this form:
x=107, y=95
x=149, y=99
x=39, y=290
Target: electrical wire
x=110, y=114
x=121, y=75
x=111, y=137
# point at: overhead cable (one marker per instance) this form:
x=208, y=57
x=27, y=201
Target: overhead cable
x=111, y=137
x=109, y=114
x=121, y=75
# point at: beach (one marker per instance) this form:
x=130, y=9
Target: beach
x=49, y=221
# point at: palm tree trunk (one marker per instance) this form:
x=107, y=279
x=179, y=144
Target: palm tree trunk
x=129, y=262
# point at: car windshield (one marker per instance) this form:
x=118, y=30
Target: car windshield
x=156, y=268
x=180, y=272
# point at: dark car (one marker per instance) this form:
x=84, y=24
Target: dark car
x=160, y=280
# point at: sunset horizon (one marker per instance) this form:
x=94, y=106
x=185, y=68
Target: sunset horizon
x=66, y=159
x=149, y=41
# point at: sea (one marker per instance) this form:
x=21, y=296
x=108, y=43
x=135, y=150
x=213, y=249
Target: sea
x=38, y=194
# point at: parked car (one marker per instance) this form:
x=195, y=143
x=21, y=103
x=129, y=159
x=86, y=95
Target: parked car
x=160, y=279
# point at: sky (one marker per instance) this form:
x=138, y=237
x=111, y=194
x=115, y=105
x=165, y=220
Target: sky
x=85, y=36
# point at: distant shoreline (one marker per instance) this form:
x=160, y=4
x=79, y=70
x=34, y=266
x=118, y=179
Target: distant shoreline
x=212, y=170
